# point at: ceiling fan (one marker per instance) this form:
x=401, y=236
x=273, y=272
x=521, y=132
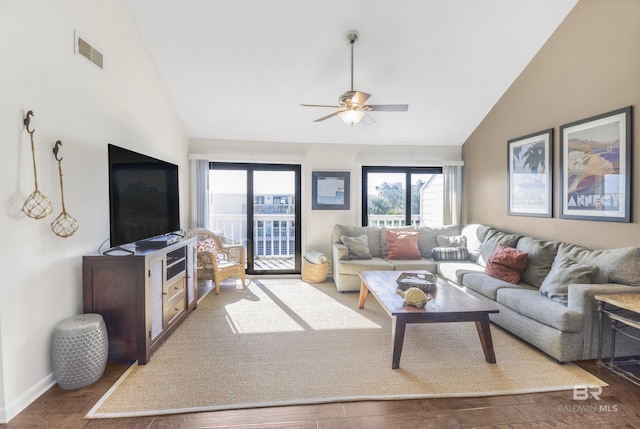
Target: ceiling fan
x=352, y=108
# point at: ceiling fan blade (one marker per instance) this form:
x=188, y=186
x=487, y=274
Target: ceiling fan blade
x=367, y=119
x=387, y=107
x=320, y=105
x=328, y=116
x=360, y=98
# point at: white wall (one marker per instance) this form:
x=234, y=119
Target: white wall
x=318, y=224
x=73, y=101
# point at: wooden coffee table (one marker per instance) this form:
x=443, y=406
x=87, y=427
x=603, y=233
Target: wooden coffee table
x=449, y=304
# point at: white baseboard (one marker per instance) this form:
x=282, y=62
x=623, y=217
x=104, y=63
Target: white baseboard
x=24, y=400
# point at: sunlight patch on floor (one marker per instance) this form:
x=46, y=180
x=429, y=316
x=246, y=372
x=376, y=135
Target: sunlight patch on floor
x=283, y=306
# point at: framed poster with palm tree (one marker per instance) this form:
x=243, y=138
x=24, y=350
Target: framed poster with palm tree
x=529, y=177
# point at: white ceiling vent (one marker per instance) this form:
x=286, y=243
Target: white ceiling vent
x=84, y=48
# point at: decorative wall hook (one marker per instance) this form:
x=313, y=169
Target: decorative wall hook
x=64, y=225
x=37, y=204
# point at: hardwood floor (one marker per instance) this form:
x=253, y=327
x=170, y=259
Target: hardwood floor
x=618, y=407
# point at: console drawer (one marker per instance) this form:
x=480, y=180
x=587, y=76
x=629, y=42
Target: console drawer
x=175, y=307
x=175, y=288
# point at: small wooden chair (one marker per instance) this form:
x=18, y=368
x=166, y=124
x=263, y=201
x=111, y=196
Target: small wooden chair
x=217, y=258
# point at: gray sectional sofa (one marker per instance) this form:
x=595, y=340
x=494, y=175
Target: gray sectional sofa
x=552, y=307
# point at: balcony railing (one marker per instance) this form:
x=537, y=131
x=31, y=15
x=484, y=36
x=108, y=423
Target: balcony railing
x=392, y=221
x=274, y=235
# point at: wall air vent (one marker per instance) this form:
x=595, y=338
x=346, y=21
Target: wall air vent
x=84, y=48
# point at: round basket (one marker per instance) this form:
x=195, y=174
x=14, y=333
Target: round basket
x=314, y=273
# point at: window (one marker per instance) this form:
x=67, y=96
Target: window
x=400, y=196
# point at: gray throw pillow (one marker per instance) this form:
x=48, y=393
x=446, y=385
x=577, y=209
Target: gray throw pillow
x=452, y=241
x=566, y=271
x=358, y=246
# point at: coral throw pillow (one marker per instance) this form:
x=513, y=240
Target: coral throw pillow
x=402, y=245
x=506, y=263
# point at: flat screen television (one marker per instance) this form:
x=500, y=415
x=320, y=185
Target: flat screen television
x=143, y=197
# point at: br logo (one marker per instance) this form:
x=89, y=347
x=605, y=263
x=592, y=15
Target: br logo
x=582, y=392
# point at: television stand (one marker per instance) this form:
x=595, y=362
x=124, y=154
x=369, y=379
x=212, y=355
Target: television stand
x=142, y=297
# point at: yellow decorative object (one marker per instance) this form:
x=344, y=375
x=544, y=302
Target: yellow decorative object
x=37, y=205
x=414, y=296
x=64, y=225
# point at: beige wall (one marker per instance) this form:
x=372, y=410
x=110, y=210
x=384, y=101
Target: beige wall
x=318, y=224
x=590, y=65
x=74, y=101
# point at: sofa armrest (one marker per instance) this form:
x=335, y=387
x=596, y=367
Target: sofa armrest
x=582, y=299
x=582, y=296
x=340, y=252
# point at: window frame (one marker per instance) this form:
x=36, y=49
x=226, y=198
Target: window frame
x=408, y=171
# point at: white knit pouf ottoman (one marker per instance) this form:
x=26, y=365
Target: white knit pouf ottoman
x=79, y=351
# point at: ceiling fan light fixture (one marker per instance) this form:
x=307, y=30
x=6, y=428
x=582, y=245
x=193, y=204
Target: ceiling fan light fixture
x=351, y=116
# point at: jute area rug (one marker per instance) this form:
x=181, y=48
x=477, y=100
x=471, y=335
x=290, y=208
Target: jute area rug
x=286, y=342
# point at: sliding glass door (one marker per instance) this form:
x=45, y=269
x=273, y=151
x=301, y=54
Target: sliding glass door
x=259, y=205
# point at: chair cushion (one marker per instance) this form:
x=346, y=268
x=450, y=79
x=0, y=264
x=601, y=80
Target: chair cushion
x=206, y=245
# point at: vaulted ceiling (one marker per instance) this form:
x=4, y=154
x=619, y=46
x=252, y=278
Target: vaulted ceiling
x=239, y=69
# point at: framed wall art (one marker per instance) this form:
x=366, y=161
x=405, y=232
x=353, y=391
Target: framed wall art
x=529, y=179
x=330, y=190
x=595, y=167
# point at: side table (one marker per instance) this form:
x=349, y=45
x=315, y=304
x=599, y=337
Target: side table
x=623, y=311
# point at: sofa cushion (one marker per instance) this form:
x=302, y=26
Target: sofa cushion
x=530, y=303
x=616, y=265
x=450, y=253
x=541, y=255
x=455, y=271
x=355, y=266
x=428, y=237
x=358, y=246
x=372, y=233
x=402, y=245
x=564, y=272
x=495, y=237
x=488, y=286
x=414, y=264
x=506, y=263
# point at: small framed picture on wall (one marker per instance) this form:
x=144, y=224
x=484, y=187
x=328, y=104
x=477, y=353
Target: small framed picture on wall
x=330, y=190
x=529, y=178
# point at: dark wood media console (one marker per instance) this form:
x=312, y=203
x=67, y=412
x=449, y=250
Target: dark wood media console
x=142, y=296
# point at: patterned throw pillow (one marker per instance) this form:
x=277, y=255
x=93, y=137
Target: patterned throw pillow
x=506, y=263
x=450, y=253
x=205, y=245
